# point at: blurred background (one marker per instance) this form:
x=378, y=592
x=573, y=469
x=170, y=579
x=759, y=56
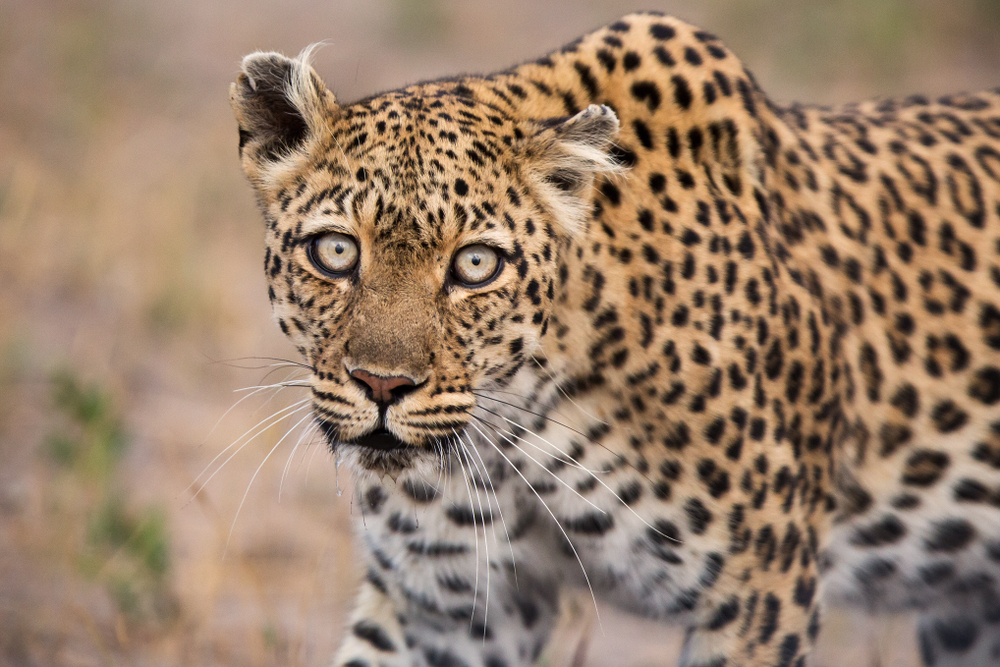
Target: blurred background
x=133, y=315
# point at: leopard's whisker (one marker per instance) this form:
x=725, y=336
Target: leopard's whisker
x=311, y=457
x=256, y=472
x=503, y=522
x=279, y=361
x=526, y=398
x=273, y=419
x=569, y=460
x=307, y=431
x=277, y=385
x=466, y=445
x=475, y=532
x=256, y=390
x=486, y=542
x=530, y=412
x=555, y=520
x=559, y=388
x=539, y=463
x=556, y=454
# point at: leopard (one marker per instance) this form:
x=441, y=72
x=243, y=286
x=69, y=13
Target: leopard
x=611, y=320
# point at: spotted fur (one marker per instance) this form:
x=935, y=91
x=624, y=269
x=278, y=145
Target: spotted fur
x=738, y=361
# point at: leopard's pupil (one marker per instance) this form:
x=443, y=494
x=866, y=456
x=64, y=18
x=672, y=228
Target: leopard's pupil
x=476, y=260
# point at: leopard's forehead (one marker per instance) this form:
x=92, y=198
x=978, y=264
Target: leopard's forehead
x=424, y=135
x=431, y=163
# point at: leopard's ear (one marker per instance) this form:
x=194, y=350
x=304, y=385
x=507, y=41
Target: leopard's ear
x=280, y=104
x=565, y=156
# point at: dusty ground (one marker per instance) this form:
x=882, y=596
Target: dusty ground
x=132, y=307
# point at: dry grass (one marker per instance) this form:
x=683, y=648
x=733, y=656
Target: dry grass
x=129, y=267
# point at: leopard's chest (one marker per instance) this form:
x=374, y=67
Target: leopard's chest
x=556, y=501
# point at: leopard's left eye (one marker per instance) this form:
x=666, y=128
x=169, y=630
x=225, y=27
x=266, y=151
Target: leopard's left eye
x=334, y=254
x=475, y=265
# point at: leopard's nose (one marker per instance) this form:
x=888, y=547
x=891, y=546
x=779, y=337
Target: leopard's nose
x=384, y=390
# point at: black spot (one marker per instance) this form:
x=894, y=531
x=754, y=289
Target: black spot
x=788, y=650
x=611, y=192
x=698, y=516
x=664, y=532
x=892, y=437
x=873, y=569
x=989, y=321
x=607, y=60
x=642, y=133
x=985, y=385
x=888, y=530
x=725, y=614
x=746, y=94
x=905, y=501
x=622, y=156
x=670, y=469
x=664, y=56
x=677, y=436
x=948, y=417
x=657, y=183
x=648, y=92
x=925, y=467
x=374, y=635
x=454, y=583
x=769, y=621
x=723, y=83
x=440, y=657
x=805, y=591
x=397, y=523
x=970, y=491
x=528, y=610
x=436, y=548
x=692, y=56
x=713, y=432
x=662, y=32
x=516, y=346
x=936, y=573
x=591, y=523
x=700, y=355
x=950, y=535
x=467, y=516
x=374, y=498
x=682, y=92
x=630, y=492
x=587, y=79
x=906, y=399
x=956, y=634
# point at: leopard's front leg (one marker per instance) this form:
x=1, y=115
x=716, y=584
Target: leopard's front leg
x=445, y=587
x=763, y=608
x=375, y=636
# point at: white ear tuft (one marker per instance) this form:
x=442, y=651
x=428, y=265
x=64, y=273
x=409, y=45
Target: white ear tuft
x=279, y=102
x=567, y=154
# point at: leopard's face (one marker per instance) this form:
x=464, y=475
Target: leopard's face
x=413, y=246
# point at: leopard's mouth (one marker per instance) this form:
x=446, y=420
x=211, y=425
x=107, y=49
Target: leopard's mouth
x=380, y=439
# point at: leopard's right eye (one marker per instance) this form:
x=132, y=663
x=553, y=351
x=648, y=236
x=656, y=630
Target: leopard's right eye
x=334, y=254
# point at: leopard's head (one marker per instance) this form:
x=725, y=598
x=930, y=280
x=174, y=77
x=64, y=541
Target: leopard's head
x=414, y=243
